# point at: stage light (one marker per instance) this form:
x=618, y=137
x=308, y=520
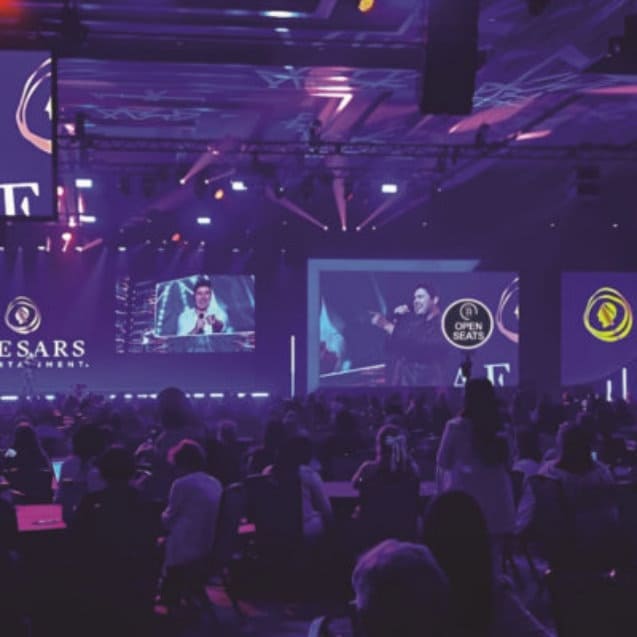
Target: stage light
x=176, y=237
x=79, y=249
x=365, y=6
x=326, y=228
x=72, y=221
x=236, y=250
x=2, y=248
x=203, y=221
x=260, y=394
x=41, y=248
x=219, y=194
x=238, y=186
x=121, y=248
x=82, y=182
x=60, y=191
x=282, y=30
x=216, y=395
x=67, y=237
x=389, y=189
x=614, y=225
x=282, y=15
x=88, y=218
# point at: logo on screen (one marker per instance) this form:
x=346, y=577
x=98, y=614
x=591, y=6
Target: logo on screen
x=40, y=76
x=22, y=316
x=508, y=312
x=608, y=315
x=467, y=323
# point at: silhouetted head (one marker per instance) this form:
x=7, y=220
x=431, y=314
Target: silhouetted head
x=401, y=591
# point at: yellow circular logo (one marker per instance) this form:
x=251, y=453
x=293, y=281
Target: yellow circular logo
x=608, y=315
x=22, y=316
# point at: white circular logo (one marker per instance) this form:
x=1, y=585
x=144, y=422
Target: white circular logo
x=22, y=316
x=467, y=323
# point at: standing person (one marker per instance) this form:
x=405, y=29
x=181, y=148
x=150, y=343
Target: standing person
x=190, y=519
x=474, y=457
x=416, y=346
x=206, y=317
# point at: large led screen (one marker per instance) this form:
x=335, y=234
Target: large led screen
x=410, y=323
x=27, y=125
x=91, y=319
x=194, y=314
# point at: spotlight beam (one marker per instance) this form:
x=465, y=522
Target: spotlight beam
x=338, y=188
x=292, y=207
x=223, y=175
x=377, y=212
x=399, y=213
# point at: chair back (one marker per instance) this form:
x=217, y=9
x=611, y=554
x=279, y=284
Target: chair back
x=227, y=532
x=275, y=509
x=35, y=484
x=551, y=528
x=390, y=509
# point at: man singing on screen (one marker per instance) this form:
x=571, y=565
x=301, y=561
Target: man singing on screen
x=416, y=348
x=200, y=319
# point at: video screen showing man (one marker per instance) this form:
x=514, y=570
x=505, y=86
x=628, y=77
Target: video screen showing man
x=204, y=317
x=416, y=348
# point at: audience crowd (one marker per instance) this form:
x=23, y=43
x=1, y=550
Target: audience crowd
x=441, y=494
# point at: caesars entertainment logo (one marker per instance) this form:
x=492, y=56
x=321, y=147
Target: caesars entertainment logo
x=608, y=315
x=23, y=317
x=467, y=323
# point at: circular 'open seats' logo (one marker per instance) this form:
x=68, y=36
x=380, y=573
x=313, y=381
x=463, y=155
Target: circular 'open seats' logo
x=467, y=323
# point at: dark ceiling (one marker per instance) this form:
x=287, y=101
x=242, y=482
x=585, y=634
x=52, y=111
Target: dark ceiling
x=313, y=94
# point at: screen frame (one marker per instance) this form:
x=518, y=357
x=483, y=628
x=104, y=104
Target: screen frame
x=316, y=266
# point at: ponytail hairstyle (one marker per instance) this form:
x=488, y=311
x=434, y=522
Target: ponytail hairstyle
x=391, y=449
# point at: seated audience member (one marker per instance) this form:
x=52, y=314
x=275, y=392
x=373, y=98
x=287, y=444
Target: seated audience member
x=224, y=453
x=400, y=591
x=481, y=604
x=113, y=539
x=527, y=452
x=474, y=457
x=574, y=468
x=177, y=419
x=389, y=491
x=27, y=467
x=190, y=519
x=392, y=463
x=178, y=422
x=276, y=433
x=292, y=464
x=79, y=473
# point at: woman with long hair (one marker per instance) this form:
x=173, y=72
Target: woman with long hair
x=482, y=605
x=27, y=466
x=293, y=465
x=389, y=489
x=392, y=461
x=474, y=457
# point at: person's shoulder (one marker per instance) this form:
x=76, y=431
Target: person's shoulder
x=458, y=423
